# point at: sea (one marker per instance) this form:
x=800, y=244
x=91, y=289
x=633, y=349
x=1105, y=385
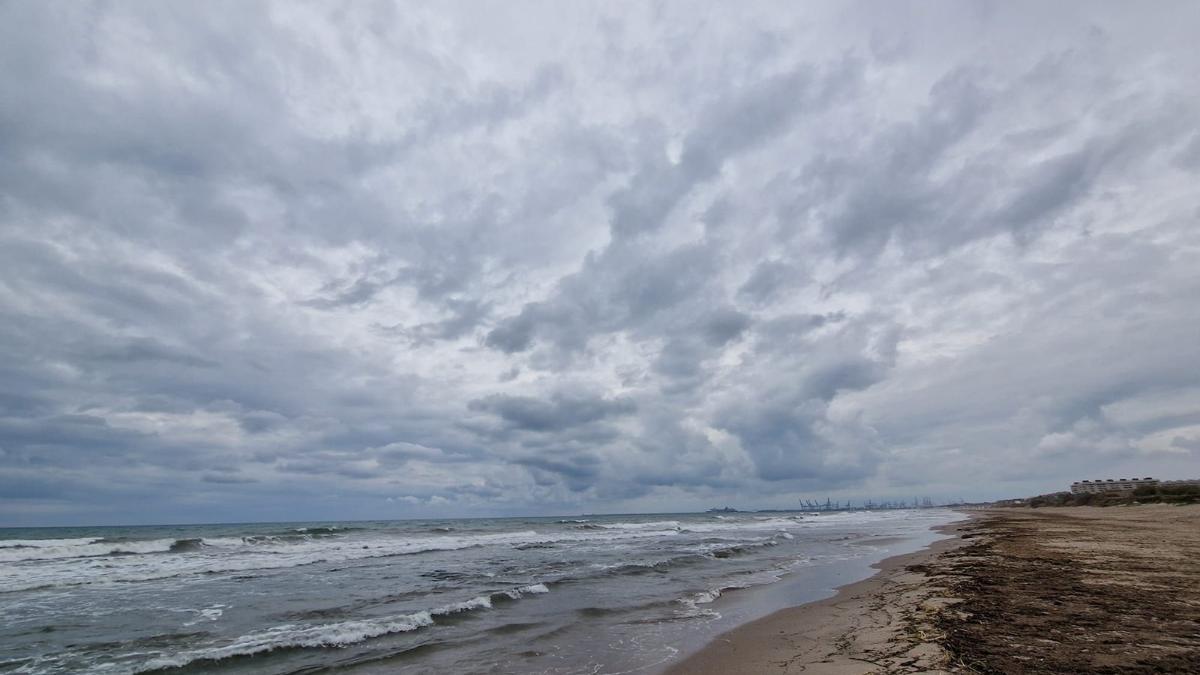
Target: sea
x=586, y=594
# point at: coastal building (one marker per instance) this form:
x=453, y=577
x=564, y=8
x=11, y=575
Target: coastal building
x=1113, y=484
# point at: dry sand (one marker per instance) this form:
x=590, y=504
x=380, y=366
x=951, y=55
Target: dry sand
x=1051, y=590
x=1076, y=590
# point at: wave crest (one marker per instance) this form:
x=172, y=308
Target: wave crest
x=340, y=634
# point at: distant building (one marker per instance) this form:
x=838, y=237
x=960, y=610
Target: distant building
x=1117, y=484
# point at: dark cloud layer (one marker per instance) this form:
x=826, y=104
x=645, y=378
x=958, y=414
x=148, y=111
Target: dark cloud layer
x=286, y=260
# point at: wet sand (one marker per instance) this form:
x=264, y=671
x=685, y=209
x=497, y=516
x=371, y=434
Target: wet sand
x=880, y=624
x=1051, y=590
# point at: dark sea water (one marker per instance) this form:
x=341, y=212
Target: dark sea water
x=587, y=594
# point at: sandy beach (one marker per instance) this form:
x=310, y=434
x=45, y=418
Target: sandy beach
x=1054, y=590
x=868, y=626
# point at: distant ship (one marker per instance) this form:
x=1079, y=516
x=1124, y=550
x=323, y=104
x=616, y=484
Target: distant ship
x=727, y=509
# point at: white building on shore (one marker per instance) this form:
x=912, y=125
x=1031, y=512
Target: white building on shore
x=1119, y=484
x=1112, y=484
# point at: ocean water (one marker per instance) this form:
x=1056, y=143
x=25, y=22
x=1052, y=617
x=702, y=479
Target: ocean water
x=587, y=594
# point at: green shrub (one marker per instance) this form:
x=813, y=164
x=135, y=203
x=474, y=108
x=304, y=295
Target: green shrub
x=1179, y=490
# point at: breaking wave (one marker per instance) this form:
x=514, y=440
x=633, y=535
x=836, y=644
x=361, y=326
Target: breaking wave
x=19, y=550
x=294, y=637
x=71, y=562
x=330, y=530
x=82, y=561
x=339, y=634
x=185, y=545
x=655, y=525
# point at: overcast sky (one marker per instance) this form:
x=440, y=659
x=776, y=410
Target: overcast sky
x=292, y=261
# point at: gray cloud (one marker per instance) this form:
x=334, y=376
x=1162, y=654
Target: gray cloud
x=287, y=262
x=561, y=411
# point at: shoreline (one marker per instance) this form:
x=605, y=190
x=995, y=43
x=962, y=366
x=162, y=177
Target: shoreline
x=859, y=629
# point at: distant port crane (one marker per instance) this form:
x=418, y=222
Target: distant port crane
x=827, y=506
x=867, y=504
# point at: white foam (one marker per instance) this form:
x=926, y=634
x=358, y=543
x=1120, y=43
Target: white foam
x=229, y=555
x=729, y=546
x=338, y=634
x=211, y=613
x=692, y=604
x=516, y=593
x=288, y=636
x=56, y=549
x=481, y=602
x=73, y=567
x=43, y=543
x=734, y=526
x=654, y=525
x=68, y=562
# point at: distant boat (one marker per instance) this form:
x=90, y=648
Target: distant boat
x=727, y=509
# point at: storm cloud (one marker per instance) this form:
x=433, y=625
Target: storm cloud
x=301, y=260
